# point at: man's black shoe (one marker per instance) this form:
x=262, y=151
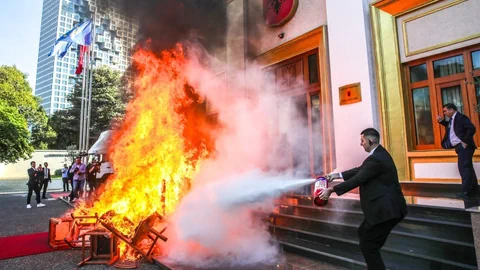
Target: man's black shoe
x=44, y=198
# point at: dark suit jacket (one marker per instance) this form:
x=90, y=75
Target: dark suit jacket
x=381, y=197
x=48, y=176
x=32, y=177
x=463, y=128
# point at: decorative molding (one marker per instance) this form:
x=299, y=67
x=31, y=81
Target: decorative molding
x=441, y=45
x=290, y=76
x=297, y=46
x=400, y=7
x=389, y=88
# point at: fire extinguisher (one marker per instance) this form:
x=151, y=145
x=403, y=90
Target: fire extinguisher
x=320, y=185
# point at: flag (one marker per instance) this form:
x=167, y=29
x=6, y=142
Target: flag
x=83, y=50
x=60, y=48
x=81, y=34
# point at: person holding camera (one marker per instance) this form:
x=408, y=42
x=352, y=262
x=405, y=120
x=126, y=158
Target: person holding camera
x=79, y=175
x=92, y=169
x=65, y=178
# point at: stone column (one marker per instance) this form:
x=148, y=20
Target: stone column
x=475, y=216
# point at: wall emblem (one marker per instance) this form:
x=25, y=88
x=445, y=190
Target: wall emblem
x=278, y=12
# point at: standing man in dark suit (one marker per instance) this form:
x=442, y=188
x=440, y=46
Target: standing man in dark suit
x=460, y=137
x=33, y=185
x=46, y=178
x=381, y=197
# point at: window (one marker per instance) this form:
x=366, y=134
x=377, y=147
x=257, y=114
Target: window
x=452, y=77
x=300, y=114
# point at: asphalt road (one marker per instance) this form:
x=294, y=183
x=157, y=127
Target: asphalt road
x=18, y=220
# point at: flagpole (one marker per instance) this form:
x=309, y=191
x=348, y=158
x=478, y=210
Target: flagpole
x=90, y=57
x=89, y=100
x=85, y=107
x=81, y=137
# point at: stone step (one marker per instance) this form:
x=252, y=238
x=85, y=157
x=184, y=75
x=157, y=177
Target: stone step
x=403, y=243
x=426, y=228
x=347, y=254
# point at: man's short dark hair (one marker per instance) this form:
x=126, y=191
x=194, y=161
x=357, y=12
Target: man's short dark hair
x=372, y=134
x=31, y=163
x=450, y=106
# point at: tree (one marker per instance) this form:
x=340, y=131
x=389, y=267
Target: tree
x=107, y=106
x=20, y=110
x=15, y=137
x=43, y=135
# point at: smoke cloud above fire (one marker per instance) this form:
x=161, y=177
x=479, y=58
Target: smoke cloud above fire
x=163, y=23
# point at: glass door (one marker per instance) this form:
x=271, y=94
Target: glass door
x=452, y=92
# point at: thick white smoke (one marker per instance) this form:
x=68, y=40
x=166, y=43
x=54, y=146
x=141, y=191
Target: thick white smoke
x=219, y=222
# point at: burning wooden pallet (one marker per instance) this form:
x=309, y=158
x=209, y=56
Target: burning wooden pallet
x=67, y=232
x=99, y=235
x=144, y=230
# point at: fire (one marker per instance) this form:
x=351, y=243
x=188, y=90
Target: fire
x=159, y=147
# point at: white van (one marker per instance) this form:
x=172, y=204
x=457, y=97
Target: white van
x=100, y=150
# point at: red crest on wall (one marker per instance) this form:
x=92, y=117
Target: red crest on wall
x=278, y=12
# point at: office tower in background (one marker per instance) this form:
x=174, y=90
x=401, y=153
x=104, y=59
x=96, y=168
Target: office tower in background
x=115, y=34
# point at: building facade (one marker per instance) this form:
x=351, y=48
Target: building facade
x=115, y=34
x=367, y=63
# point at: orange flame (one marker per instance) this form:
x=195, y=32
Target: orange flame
x=158, y=148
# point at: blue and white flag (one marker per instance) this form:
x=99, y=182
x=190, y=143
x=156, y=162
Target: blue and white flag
x=60, y=48
x=81, y=34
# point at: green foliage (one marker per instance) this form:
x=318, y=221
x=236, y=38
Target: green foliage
x=15, y=138
x=43, y=134
x=58, y=172
x=20, y=110
x=107, y=107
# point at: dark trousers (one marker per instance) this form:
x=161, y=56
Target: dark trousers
x=65, y=184
x=466, y=170
x=372, y=238
x=44, y=186
x=31, y=188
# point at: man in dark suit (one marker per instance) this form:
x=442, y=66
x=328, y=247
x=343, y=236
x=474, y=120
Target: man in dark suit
x=460, y=137
x=33, y=185
x=46, y=179
x=381, y=197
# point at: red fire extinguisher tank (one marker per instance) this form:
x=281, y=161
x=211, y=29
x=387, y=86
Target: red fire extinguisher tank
x=320, y=185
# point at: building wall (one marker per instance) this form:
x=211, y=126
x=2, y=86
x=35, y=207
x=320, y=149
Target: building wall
x=310, y=15
x=350, y=56
x=446, y=30
x=19, y=170
x=432, y=28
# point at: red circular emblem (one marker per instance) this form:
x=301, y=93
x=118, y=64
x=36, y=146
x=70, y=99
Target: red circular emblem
x=278, y=12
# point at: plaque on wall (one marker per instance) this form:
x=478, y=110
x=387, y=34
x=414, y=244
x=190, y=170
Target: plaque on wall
x=278, y=12
x=350, y=93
